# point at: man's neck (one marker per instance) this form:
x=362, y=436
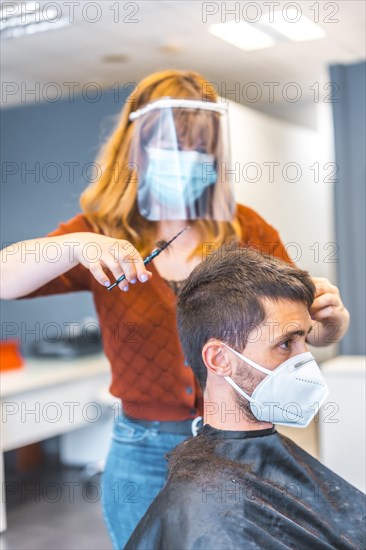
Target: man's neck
x=223, y=413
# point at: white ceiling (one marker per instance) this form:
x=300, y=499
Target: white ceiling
x=75, y=53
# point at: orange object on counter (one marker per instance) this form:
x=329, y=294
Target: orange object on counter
x=10, y=357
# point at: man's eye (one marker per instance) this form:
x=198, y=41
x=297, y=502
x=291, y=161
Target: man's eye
x=286, y=344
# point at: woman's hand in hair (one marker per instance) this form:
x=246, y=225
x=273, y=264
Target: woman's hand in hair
x=99, y=253
x=329, y=313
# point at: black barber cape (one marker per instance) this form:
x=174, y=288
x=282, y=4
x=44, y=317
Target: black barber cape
x=250, y=490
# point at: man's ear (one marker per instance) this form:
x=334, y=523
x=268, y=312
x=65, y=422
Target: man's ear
x=216, y=358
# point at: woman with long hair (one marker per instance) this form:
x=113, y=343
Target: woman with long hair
x=162, y=169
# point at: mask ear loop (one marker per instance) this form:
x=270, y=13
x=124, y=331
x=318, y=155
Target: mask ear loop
x=249, y=361
x=238, y=388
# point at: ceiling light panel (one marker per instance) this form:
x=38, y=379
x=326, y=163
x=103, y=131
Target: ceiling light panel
x=24, y=18
x=293, y=25
x=242, y=35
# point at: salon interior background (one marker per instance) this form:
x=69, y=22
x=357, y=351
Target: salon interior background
x=61, y=90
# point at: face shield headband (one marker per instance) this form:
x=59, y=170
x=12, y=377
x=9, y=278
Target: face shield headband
x=180, y=151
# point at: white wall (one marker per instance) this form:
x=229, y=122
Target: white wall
x=302, y=211
x=342, y=424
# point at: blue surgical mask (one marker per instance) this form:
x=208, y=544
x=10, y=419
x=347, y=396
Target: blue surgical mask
x=178, y=178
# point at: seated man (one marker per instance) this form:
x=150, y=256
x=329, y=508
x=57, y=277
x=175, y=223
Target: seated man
x=243, y=319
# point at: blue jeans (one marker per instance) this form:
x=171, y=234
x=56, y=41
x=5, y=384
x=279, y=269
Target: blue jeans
x=134, y=473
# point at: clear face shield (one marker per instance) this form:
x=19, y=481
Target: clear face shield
x=180, y=151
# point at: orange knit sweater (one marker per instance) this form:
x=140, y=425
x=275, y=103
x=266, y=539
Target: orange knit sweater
x=139, y=330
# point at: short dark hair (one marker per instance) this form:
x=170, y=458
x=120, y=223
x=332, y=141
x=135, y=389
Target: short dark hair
x=223, y=298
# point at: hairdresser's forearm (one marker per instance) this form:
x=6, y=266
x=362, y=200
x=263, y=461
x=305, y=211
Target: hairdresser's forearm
x=28, y=265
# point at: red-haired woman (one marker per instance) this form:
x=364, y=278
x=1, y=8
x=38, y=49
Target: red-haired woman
x=162, y=169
